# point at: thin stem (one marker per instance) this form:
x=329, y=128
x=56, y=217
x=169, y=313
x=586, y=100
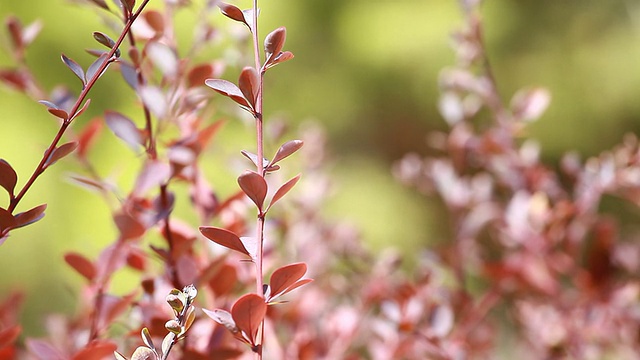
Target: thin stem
x=75, y=109
x=260, y=168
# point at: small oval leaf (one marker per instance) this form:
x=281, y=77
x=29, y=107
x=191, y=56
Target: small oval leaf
x=60, y=152
x=286, y=150
x=284, y=189
x=286, y=276
x=230, y=90
x=75, y=67
x=274, y=42
x=8, y=177
x=248, y=313
x=30, y=216
x=249, y=84
x=232, y=12
x=81, y=264
x=254, y=186
x=224, y=237
x=94, y=67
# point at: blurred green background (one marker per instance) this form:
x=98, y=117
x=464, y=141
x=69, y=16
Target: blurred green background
x=366, y=71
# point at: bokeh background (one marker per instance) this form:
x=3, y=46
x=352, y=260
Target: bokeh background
x=365, y=70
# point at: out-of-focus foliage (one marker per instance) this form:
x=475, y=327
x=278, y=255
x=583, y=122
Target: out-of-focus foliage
x=366, y=70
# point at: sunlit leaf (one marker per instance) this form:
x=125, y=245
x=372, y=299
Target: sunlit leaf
x=223, y=318
x=248, y=313
x=224, y=237
x=230, y=90
x=249, y=84
x=143, y=353
x=254, y=186
x=286, y=276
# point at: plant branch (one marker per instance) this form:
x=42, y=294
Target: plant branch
x=74, y=112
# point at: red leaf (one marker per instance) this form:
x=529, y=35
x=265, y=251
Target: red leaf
x=15, y=79
x=59, y=113
x=274, y=42
x=232, y=12
x=254, y=186
x=124, y=129
x=8, y=177
x=224, y=237
x=284, y=189
x=199, y=74
x=96, y=350
x=230, y=90
x=205, y=135
x=30, y=216
x=7, y=221
x=75, y=67
x=15, y=30
x=249, y=83
x=9, y=335
x=88, y=136
x=155, y=19
x=286, y=150
x=81, y=264
x=60, y=152
x=285, y=277
x=128, y=226
x=248, y=313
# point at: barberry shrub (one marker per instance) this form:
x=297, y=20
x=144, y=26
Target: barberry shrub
x=534, y=268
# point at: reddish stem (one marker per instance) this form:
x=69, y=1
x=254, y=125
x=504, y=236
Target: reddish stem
x=75, y=109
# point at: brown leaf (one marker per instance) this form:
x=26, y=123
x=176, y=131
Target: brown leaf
x=274, y=42
x=254, y=186
x=30, y=216
x=232, y=12
x=248, y=313
x=224, y=237
x=8, y=177
x=155, y=20
x=15, y=31
x=249, y=83
x=8, y=222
